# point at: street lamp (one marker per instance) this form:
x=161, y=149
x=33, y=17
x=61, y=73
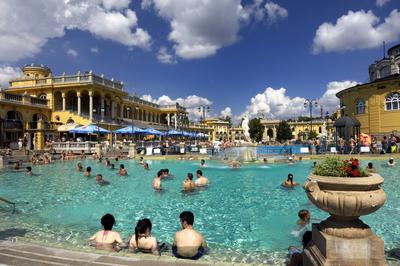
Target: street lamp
x=203, y=109
x=132, y=110
x=310, y=104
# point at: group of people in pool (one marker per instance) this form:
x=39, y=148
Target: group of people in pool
x=99, y=177
x=188, y=183
x=187, y=243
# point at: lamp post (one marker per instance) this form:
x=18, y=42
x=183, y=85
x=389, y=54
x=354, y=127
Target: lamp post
x=310, y=104
x=203, y=109
x=132, y=110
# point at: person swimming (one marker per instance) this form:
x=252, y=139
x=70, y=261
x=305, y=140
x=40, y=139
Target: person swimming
x=201, y=180
x=79, y=167
x=146, y=166
x=235, y=165
x=29, y=170
x=289, y=182
x=188, y=243
x=391, y=162
x=141, y=160
x=122, y=170
x=157, y=181
x=112, y=166
x=188, y=184
x=304, y=217
x=370, y=168
x=142, y=240
x=107, y=239
x=203, y=163
x=88, y=170
x=101, y=181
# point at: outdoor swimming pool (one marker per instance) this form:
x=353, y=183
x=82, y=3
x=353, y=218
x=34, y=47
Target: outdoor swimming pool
x=244, y=214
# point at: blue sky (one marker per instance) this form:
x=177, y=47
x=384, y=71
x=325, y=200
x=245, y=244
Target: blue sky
x=239, y=57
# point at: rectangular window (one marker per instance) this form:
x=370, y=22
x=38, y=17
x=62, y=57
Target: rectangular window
x=388, y=106
x=395, y=105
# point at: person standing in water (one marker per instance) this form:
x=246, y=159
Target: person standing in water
x=201, y=181
x=157, y=181
x=188, y=184
x=289, y=183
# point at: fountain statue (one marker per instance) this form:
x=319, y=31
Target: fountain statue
x=245, y=127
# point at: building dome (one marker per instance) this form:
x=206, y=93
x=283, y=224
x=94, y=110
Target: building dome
x=36, y=71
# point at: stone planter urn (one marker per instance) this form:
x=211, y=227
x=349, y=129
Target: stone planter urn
x=343, y=239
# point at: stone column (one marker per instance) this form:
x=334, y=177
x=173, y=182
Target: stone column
x=132, y=150
x=78, y=95
x=112, y=109
x=91, y=105
x=175, y=121
x=40, y=135
x=64, y=102
x=102, y=108
x=122, y=111
x=158, y=118
x=168, y=119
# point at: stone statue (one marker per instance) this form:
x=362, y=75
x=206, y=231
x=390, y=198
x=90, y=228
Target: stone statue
x=245, y=127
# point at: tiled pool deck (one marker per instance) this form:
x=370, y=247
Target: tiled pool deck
x=26, y=254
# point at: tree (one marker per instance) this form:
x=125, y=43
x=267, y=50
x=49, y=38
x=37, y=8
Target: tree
x=284, y=132
x=226, y=119
x=256, y=129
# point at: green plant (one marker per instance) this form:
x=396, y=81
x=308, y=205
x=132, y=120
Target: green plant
x=334, y=166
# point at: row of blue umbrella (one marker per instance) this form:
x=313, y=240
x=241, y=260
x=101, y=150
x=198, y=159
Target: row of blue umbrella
x=130, y=130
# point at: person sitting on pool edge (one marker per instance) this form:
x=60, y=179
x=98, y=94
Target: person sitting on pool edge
x=188, y=243
x=88, y=170
x=201, y=181
x=122, y=170
x=289, y=182
x=296, y=254
x=101, y=181
x=143, y=241
x=79, y=167
x=391, y=162
x=157, y=181
x=188, y=184
x=107, y=239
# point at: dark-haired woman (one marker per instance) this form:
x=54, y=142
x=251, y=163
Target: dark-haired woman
x=289, y=183
x=142, y=240
x=107, y=239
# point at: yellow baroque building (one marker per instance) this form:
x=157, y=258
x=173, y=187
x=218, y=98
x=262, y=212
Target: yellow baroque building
x=81, y=98
x=376, y=105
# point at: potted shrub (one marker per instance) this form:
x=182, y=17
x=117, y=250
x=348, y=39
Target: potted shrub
x=346, y=192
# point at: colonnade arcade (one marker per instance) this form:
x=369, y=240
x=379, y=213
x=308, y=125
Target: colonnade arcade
x=106, y=107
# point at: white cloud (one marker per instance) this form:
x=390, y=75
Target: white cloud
x=274, y=103
x=165, y=57
x=191, y=103
x=71, y=52
x=226, y=112
x=115, y=4
x=275, y=12
x=94, y=50
x=8, y=73
x=200, y=28
x=356, y=30
x=146, y=4
x=33, y=23
x=381, y=3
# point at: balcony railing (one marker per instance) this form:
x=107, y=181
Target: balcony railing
x=22, y=99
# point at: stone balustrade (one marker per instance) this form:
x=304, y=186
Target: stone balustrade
x=23, y=99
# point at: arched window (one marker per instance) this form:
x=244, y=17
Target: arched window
x=360, y=106
x=393, y=101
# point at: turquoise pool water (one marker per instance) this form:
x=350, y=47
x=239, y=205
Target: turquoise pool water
x=244, y=214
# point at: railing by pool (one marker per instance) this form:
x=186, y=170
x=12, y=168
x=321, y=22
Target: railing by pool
x=281, y=150
x=76, y=147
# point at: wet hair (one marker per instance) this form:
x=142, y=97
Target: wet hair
x=141, y=158
x=187, y=216
x=190, y=176
x=303, y=213
x=29, y=168
x=203, y=161
x=307, y=237
x=79, y=165
x=116, y=159
x=391, y=160
x=108, y=221
x=370, y=165
x=112, y=165
x=122, y=166
x=160, y=173
x=166, y=170
x=88, y=169
x=199, y=172
x=314, y=163
x=141, y=227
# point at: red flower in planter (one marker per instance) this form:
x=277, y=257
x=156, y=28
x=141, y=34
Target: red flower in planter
x=354, y=173
x=354, y=163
